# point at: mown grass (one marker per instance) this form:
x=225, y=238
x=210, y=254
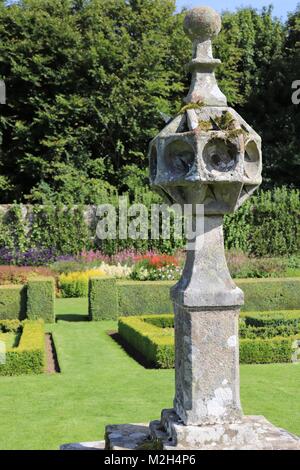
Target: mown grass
x=100, y=384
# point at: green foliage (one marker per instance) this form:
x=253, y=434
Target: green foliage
x=103, y=301
x=257, y=227
x=274, y=319
x=60, y=227
x=87, y=83
x=266, y=351
x=7, y=326
x=12, y=302
x=142, y=297
x=153, y=337
x=265, y=332
x=270, y=294
x=156, y=345
x=41, y=299
x=153, y=297
x=269, y=324
x=92, y=80
x=29, y=356
x=162, y=321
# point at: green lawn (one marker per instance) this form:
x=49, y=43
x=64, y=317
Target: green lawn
x=99, y=384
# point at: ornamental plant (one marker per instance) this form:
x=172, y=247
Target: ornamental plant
x=75, y=284
x=156, y=268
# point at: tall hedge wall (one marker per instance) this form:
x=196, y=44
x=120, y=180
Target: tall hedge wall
x=153, y=297
x=41, y=299
x=13, y=302
x=35, y=300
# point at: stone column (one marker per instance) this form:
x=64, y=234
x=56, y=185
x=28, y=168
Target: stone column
x=206, y=306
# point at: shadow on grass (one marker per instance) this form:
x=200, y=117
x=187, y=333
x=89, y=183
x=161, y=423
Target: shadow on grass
x=72, y=317
x=130, y=350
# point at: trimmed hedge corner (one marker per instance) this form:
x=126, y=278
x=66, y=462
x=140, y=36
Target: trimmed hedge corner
x=40, y=299
x=156, y=344
x=12, y=302
x=29, y=356
x=103, y=301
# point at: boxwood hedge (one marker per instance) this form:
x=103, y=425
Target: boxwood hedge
x=123, y=298
x=33, y=300
x=153, y=337
x=29, y=356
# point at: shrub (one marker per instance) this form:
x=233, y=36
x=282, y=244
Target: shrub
x=136, y=298
x=274, y=319
x=20, y=275
x=75, y=284
x=40, y=299
x=242, y=266
x=266, y=351
x=29, y=356
x=156, y=344
x=7, y=326
x=103, y=300
x=270, y=294
x=12, y=302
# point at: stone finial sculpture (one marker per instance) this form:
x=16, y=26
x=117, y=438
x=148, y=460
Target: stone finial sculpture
x=207, y=155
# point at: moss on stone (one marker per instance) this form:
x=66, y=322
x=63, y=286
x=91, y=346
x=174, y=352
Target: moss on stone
x=188, y=106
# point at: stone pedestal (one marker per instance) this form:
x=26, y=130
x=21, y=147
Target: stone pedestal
x=207, y=365
x=247, y=433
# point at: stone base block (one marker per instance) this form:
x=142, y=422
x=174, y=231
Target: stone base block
x=249, y=433
x=97, y=445
x=126, y=436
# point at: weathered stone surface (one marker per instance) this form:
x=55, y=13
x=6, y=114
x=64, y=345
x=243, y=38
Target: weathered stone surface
x=126, y=436
x=206, y=280
x=97, y=445
x=249, y=433
x=206, y=366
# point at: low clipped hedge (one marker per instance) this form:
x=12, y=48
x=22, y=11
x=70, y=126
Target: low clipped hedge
x=155, y=343
x=269, y=324
x=273, y=319
x=41, y=299
x=153, y=337
x=267, y=351
x=125, y=298
x=29, y=356
x=13, y=302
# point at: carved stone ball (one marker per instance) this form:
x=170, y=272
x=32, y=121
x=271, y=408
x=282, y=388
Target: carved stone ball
x=202, y=23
